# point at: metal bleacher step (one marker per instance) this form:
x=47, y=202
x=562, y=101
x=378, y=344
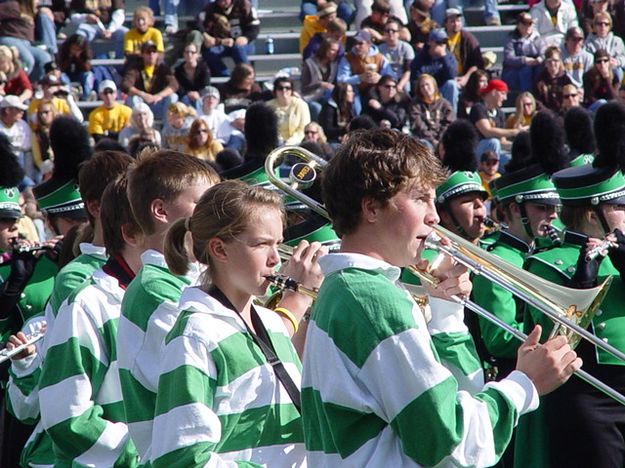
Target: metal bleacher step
x=474, y=15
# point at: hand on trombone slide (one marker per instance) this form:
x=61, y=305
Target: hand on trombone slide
x=451, y=278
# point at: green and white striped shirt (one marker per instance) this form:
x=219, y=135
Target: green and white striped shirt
x=80, y=394
x=149, y=311
x=375, y=391
x=219, y=401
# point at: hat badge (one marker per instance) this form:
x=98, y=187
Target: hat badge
x=594, y=201
x=9, y=192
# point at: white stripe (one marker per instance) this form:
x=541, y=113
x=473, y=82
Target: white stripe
x=189, y=351
x=75, y=395
x=110, y=391
x=519, y=390
x=274, y=456
x=24, y=406
x=447, y=317
x=184, y=426
x=141, y=435
x=108, y=447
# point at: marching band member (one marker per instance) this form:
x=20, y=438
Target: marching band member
x=79, y=390
x=593, y=199
x=162, y=188
x=222, y=398
x=374, y=392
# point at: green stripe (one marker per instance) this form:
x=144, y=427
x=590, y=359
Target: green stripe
x=71, y=276
x=108, y=332
x=197, y=455
x=279, y=424
x=334, y=428
x=75, y=436
x=179, y=326
x=355, y=326
x=502, y=415
x=114, y=411
x=182, y=386
x=71, y=359
x=143, y=400
x=231, y=363
x=457, y=349
x=284, y=348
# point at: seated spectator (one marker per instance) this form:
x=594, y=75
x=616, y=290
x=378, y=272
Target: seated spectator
x=17, y=81
x=552, y=19
x=313, y=133
x=490, y=121
x=201, y=143
x=489, y=170
x=17, y=29
x=41, y=133
x=375, y=23
x=316, y=24
x=600, y=82
x=111, y=117
x=63, y=101
x=240, y=90
x=604, y=38
x=102, y=19
x=420, y=24
x=590, y=8
x=463, y=46
x=575, y=58
x=319, y=75
x=345, y=11
x=192, y=76
x=228, y=28
x=142, y=31
x=524, y=113
x=398, y=53
x=151, y=81
x=141, y=119
x=336, y=30
x=522, y=54
x=45, y=30
x=472, y=93
x=364, y=9
x=549, y=83
x=75, y=63
x=292, y=112
x=430, y=114
x=435, y=60
x=363, y=65
x=337, y=112
x=386, y=103
x=212, y=111
x=17, y=130
x=571, y=97
x=176, y=128
x=231, y=133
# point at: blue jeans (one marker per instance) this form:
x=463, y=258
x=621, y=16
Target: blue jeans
x=450, y=91
x=345, y=11
x=33, y=58
x=45, y=32
x=521, y=78
x=159, y=109
x=171, y=8
x=439, y=7
x=91, y=32
x=236, y=142
x=197, y=105
x=213, y=57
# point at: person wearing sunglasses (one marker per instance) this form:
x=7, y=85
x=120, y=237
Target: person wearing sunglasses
x=600, y=82
x=549, y=84
x=575, y=58
x=292, y=111
x=111, y=117
x=398, y=52
x=604, y=38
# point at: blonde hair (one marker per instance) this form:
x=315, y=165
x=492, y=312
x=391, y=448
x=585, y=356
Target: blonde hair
x=11, y=56
x=181, y=110
x=225, y=211
x=322, y=138
x=519, y=115
x=425, y=76
x=144, y=9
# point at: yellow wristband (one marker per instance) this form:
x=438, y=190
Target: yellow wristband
x=287, y=313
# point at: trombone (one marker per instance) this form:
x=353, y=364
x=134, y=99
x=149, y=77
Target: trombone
x=535, y=291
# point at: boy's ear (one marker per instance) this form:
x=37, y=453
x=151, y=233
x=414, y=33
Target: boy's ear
x=370, y=209
x=158, y=211
x=93, y=207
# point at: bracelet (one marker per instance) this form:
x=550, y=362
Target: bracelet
x=289, y=315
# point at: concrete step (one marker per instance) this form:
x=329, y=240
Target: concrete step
x=491, y=36
x=475, y=15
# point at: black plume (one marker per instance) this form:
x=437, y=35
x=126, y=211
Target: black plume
x=548, y=142
x=579, y=131
x=11, y=173
x=459, y=142
x=261, y=131
x=610, y=135
x=69, y=141
x=521, y=153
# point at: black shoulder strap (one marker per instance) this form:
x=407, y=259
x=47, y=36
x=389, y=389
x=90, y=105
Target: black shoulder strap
x=265, y=345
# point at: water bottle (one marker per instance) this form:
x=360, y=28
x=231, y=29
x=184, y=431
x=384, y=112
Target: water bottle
x=269, y=46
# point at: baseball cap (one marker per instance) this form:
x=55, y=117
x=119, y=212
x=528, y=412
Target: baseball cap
x=363, y=36
x=107, y=84
x=12, y=101
x=438, y=35
x=326, y=9
x=210, y=91
x=148, y=45
x=497, y=85
x=449, y=12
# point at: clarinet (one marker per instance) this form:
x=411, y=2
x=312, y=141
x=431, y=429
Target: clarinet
x=553, y=234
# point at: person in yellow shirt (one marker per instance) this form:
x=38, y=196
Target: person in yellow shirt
x=142, y=31
x=62, y=100
x=318, y=23
x=111, y=117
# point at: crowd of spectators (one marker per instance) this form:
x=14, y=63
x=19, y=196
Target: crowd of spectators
x=412, y=67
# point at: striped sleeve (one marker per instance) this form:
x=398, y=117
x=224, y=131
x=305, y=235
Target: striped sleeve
x=74, y=371
x=186, y=429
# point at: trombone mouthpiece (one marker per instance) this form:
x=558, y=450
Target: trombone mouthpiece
x=432, y=241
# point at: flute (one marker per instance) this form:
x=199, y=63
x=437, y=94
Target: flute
x=7, y=354
x=600, y=249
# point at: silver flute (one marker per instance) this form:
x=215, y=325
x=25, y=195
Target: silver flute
x=7, y=354
x=600, y=249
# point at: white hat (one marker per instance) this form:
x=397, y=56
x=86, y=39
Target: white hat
x=107, y=84
x=12, y=101
x=237, y=114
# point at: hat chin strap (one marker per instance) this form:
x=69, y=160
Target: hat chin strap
x=526, y=221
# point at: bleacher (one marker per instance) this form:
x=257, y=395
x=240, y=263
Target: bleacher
x=280, y=21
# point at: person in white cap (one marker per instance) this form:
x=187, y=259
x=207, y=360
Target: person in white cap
x=212, y=110
x=13, y=125
x=108, y=119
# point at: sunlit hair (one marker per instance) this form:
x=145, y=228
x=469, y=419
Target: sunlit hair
x=430, y=78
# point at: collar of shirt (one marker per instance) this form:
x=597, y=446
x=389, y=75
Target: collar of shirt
x=156, y=258
x=340, y=261
x=94, y=250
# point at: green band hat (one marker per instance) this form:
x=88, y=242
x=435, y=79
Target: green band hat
x=588, y=185
x=459, y=183
x=56, y=197
x=10, y=203
x=531, y=184
x=582, y=159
